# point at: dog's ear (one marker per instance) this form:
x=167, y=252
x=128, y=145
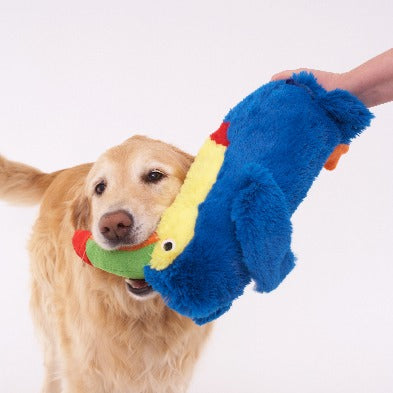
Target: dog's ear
x=184, y=161
x=80, y=215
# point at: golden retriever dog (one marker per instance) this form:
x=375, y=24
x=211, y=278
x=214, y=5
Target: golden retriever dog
x=101, y=333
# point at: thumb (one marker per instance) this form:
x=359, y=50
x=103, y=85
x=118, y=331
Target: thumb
x=287, y=74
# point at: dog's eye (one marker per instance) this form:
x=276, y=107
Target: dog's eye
x=153, y=176
x=100, y=188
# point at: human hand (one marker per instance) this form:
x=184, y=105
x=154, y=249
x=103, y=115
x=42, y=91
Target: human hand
x=371, y=82
x=328, y=80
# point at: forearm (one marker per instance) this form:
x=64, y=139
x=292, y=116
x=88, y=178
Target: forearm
x=371, y=82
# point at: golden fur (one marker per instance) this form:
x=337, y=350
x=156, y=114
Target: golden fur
x=96, y=337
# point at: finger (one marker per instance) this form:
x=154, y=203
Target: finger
x=287, y=74
x=282, y=75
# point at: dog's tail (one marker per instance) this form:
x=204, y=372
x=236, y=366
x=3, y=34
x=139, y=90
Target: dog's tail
x=22, y=184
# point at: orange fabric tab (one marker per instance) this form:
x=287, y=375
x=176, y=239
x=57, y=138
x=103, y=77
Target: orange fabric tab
x=333, y=159
x=152, y=239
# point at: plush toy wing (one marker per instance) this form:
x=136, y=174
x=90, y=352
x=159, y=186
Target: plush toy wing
x=263, y=228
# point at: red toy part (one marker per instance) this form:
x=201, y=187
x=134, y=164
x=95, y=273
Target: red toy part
x=221, y=135
x=79, y=241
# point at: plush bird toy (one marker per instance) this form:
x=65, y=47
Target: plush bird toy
x=230, y=223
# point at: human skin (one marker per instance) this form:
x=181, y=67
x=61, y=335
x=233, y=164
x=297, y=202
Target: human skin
x=371, y=82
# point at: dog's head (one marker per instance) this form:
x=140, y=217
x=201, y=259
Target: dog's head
x=126, y=192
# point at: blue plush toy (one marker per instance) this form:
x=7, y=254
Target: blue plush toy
x=230, y=223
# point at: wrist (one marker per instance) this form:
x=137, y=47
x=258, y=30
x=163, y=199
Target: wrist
x=345, y=81
x=331, y=80
x=354, y=84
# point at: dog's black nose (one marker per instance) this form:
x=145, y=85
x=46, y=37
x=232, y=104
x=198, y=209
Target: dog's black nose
x=116, y=226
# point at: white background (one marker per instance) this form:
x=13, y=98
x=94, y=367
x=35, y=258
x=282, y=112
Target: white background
x=79, y=77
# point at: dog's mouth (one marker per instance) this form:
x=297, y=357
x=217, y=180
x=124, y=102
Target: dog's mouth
x=139, y=288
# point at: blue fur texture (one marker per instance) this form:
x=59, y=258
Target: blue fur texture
x=280, y=137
